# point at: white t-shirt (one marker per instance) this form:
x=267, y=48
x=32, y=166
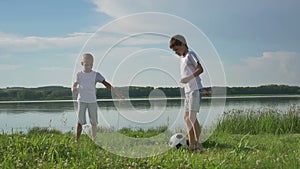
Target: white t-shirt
x=87, y=86
x=187, y=67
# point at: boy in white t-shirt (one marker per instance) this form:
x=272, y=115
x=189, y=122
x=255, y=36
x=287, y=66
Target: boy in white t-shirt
x=85, y=85
x=190, y=70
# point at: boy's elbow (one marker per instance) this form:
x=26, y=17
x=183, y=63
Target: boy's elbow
x=75, y=84
x=200, y=71
x=106, y=84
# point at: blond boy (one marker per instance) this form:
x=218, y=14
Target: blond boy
x=85, y=86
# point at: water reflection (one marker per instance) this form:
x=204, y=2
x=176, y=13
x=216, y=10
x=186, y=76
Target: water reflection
x=136, y=113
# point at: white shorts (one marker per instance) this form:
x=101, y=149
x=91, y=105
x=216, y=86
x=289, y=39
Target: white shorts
x=192, y=101
x=92, y=111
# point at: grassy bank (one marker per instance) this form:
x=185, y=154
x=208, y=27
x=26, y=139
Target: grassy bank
x=259, y=121
x=241, y=140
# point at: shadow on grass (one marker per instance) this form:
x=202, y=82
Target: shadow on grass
x=216, y=145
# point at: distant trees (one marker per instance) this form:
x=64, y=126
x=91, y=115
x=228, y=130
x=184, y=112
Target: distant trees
x=64, y=93
x=41, y=93
x=266, y=89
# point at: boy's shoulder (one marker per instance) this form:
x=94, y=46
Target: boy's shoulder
x=79, y=72
x=190, y=52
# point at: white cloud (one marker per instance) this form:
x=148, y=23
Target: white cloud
x=120, y=8
x=271, y=68
x=129, y=17
x=6, y=67
x=12, y=43
x=112, y=8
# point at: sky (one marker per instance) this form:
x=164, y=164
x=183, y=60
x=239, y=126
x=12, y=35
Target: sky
x=239, y=43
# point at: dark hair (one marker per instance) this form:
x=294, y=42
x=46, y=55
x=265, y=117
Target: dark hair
x=175, y=42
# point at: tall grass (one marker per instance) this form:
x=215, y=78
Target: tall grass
x=51, y=149
x=264, y=120
x=140, y=133
x=264, y=138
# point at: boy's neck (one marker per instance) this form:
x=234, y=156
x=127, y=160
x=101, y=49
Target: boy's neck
x=185, y=52
x=87, y=71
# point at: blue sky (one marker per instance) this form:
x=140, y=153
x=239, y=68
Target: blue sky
x=257, y=42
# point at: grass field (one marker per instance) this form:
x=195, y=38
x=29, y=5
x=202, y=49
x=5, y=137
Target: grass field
x=243, y=139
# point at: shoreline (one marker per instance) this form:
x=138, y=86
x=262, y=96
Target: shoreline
x=158, y=99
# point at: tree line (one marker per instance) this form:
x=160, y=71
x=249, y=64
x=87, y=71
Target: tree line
x=64, y=93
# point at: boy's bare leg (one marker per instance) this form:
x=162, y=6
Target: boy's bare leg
x=193, y=118
x=191, y=135
x=78, y=131
x=197, y=129
x=94, y=131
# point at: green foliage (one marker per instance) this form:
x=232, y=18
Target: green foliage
x=265, y=89
x=51, y=149
x=240, y=141
x=41, y=93
x=265, y=120
x=64, y=93
x=140, y=133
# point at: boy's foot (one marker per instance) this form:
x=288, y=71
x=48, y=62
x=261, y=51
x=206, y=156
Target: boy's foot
x=198, y=150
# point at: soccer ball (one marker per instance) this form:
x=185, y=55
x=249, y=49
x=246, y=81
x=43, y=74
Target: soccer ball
x=178, y=140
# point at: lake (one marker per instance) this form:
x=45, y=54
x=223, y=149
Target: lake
x=134, y=113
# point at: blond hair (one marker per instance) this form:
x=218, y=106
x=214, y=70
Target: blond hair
x=87, y=57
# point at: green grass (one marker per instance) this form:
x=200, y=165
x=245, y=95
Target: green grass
x=232, y=145
x=265, y=120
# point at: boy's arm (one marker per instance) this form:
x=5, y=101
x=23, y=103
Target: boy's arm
x=75, y=84
x=110, y=87
x=196, y=73
x=74, y=87
x=206, y=93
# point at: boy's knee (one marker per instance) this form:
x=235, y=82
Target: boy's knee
x=186, y=117
x=189, y=120
x=192, y=118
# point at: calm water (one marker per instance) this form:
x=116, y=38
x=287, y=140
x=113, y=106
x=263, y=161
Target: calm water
x=61, y=115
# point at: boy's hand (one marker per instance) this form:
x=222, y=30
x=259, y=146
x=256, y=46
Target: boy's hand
x=185, y=80
x=74, y=87
x=206, y=93
x=120, y=96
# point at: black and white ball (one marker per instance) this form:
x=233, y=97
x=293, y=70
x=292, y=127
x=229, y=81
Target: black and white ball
x=178, y=140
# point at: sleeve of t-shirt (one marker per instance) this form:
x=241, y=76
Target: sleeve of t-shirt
x=194, y=59
x=99, y=77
